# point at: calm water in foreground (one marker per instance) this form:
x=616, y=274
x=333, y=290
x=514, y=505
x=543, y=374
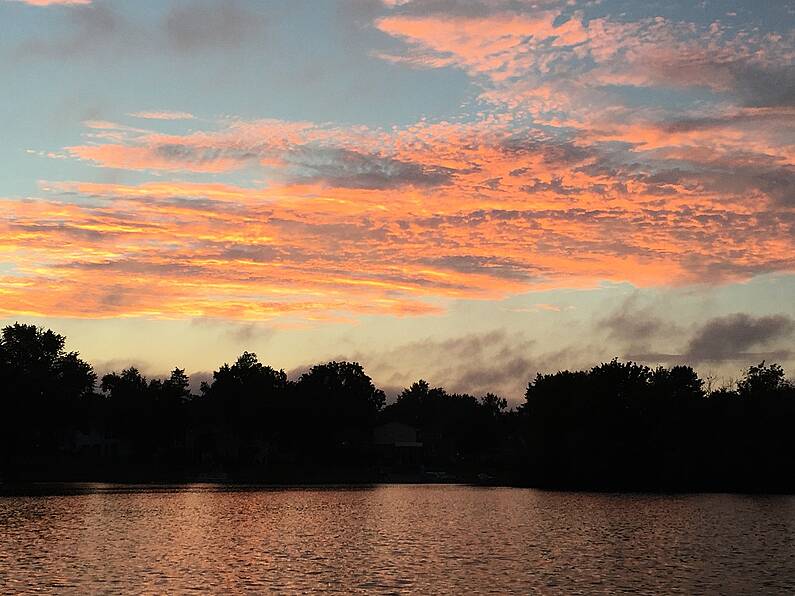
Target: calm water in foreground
x=200, y=538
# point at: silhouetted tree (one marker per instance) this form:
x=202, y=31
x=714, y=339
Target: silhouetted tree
x=243, y=392
x=176, y=388
x=128, y=389
x=342, y=389
x=494, y=404
x=763, y=380
x=339, y=404
x=618, y=425
x=35, y=366
x=456, y=429
x=40, y=385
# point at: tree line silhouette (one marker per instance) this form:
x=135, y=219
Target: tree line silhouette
x=616, y=426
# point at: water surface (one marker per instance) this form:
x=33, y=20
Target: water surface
x=422, y=539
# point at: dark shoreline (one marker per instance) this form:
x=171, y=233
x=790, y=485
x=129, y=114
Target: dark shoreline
x=78, y=487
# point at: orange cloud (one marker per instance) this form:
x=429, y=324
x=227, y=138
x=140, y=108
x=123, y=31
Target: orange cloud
x=525, y=215
x=558, y=184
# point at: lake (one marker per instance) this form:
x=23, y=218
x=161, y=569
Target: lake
x=410, y=538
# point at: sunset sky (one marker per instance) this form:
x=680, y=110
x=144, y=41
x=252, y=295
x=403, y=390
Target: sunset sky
x=466, y=191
